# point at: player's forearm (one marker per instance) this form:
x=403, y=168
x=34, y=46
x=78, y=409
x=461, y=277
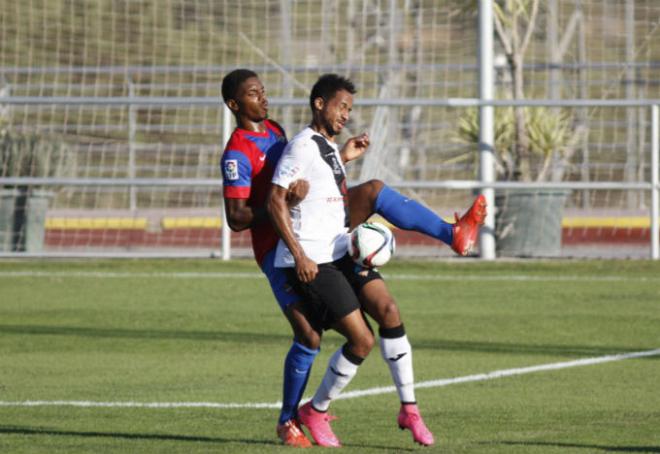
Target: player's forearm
x=346, y=154
x=281, y=220
x=354, y=148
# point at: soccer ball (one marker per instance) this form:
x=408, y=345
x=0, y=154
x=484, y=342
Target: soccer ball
x=371, y=244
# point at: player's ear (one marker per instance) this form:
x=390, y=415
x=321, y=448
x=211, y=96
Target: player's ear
x=319, y=103
x=233, y=105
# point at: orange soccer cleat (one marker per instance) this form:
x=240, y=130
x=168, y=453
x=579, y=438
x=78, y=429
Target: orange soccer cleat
x=292, y=435
x=466, y=228
x=318, y=424
x=409, y=418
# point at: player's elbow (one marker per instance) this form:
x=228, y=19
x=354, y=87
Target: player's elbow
x=235, y=220
x=236, y=225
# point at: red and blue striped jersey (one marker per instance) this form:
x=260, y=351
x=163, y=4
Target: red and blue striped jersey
x=247, y=164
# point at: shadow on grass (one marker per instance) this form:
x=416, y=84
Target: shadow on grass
x=527, y=349
x=122, y=333
x=30, y=431
x=603, y=448
x=128, y=436
x=359, y=446
x=267, y=338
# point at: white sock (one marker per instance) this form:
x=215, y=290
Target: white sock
x=338, y=375
x=397, y=353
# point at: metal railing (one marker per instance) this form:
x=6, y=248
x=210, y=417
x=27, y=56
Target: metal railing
x=653, y=185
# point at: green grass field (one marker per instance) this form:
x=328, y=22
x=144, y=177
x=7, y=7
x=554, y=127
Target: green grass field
x=206, y=331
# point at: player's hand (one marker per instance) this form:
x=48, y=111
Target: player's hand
x=297, y=192
x=355, y=147
x=306, y=269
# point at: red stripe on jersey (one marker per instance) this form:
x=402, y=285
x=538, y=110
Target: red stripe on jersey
x=237, y=192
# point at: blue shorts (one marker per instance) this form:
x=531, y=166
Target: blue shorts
x=284, y=293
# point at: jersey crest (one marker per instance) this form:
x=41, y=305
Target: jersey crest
x=231, y=169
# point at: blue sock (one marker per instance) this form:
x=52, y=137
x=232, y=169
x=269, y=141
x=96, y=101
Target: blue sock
x=297, y=366
x=408, y=214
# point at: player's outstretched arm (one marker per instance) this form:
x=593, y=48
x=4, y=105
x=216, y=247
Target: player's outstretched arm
x=281, y=219
x=354, y=147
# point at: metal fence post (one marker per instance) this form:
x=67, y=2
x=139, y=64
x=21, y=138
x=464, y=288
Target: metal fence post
x=486, y=126
x=655, y=182
x=132, y=129
x=5, y=91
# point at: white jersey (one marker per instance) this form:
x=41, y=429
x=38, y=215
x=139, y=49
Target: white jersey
x=321, y=220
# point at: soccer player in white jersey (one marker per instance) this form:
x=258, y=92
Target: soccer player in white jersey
x=313, y=251
x=314, y=244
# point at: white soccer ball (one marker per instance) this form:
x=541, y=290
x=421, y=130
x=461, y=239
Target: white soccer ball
x=371, y=244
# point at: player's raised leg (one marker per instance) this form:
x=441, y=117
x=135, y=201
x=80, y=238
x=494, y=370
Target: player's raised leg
x=374, y=196
x=466, y=228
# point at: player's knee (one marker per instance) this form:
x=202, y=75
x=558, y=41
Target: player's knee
x=309, y=338
x=364, y=344
x=370, y=341
x=375, y=187
x=387, y=313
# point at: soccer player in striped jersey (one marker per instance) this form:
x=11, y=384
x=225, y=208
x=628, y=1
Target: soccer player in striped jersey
x=247, y=163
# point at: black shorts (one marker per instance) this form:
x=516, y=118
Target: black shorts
x=333, y=294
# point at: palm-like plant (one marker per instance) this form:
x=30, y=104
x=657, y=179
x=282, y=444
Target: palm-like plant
x=29, y=155
x=550, y=141
x=532, y=144
x=514, y=23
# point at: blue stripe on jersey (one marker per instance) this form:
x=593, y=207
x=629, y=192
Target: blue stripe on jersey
x=236, y=169
x=272, y=146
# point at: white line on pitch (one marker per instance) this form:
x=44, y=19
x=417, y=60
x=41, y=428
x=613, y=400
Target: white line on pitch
x=506, y=373
x=349, y=395
x=139, y=275
x=394, y=277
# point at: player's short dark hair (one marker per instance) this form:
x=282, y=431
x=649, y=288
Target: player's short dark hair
x=233, y=80
x=328, y=85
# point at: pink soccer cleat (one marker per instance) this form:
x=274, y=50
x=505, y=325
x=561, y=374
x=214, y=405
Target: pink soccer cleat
x=466, y=228
x=409, y=418
x=318, y=424
x=292, y=435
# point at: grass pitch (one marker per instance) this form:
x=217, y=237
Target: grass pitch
x=123, y=332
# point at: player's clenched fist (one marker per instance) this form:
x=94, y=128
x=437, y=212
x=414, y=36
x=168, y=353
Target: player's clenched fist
x=297, y=192
x=306, y=269
x=355, y=147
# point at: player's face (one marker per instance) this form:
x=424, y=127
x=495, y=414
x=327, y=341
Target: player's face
x=251, y=100
x=336, y=112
